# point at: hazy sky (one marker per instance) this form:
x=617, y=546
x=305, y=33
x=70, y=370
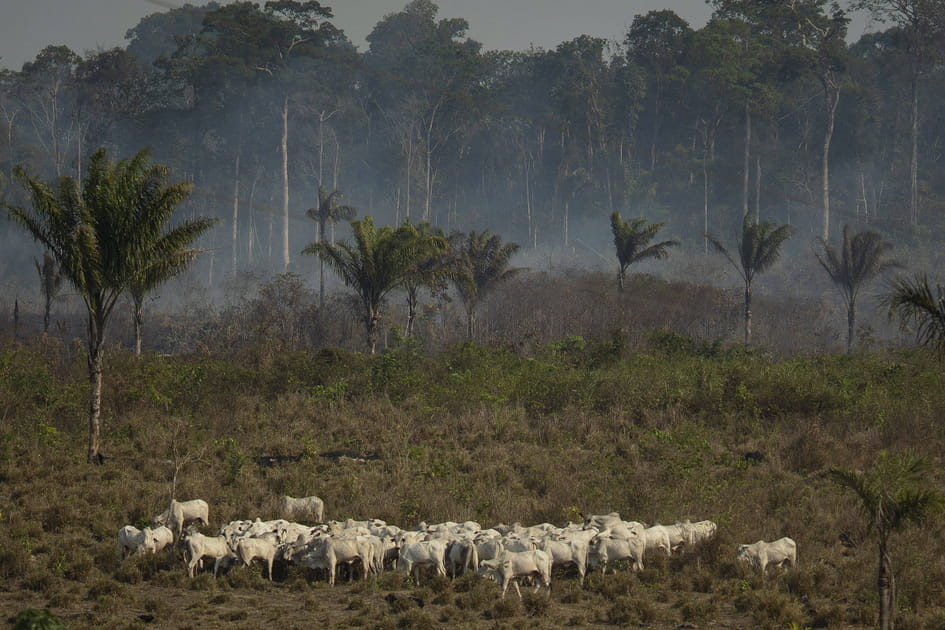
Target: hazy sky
x=27, y=26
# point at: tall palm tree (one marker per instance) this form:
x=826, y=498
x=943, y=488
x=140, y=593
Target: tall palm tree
x=482, y=262
x=432, y=266
x=329, y=210
x=892, y=494
x=105, y=236
x=759, y=246
x=50, y=281
x=373, y=265
x=861, y=258
x=915, y=301
x=632, y=239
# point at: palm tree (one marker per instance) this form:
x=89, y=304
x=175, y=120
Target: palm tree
x=632, y=238
x=327, y=211
x=106, y=236
x=50, y=281
x=759, y=247
x=860, y=259
x=915, y=301
x=374, y=265
x=482, y=261
x=893, y=494
x=432, y=266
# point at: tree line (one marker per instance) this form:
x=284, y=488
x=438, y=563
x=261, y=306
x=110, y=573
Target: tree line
x=766, y=110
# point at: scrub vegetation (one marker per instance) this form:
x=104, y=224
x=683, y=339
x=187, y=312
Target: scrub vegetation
x=655, y=425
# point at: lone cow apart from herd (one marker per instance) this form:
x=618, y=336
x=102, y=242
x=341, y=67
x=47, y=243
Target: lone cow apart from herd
x=761, y=555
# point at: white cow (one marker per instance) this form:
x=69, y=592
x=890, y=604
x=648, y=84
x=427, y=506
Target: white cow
x=134, y=540
x=200, y=546
x=163, y=538
x=602, y=521
x=699, y=532
x=782, y=552
x=425, y=552
x=462, y=552
x=327, y=552
x=181, y=513
x=249, y=549
x=567, y=552
x=604, y=549
x=302, y=508
x=511, y=566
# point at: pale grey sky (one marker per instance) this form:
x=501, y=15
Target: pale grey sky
x=27, y=26
x=30, y=25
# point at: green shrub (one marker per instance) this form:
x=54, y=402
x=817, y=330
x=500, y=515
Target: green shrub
x=506, y=607
x=536, y=604
x=35, y=619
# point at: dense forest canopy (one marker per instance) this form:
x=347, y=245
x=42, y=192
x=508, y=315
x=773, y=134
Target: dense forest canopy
x=766, y=110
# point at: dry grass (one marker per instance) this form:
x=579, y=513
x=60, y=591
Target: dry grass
x=654, y=426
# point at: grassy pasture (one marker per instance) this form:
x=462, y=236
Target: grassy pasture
x=657, y=433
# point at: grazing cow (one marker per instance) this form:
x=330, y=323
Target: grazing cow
x=200, y=546
x=657, y=538
x=566, y=553
x=602, y=521
x=462, y=552
x=182, y=513
x=302, y=508
x=249, y=549
x=695, y=533
x=782, y=552
x=425, y=552
x=511, y=566
x=134, y=540
x=163, y=538
x=604, y=550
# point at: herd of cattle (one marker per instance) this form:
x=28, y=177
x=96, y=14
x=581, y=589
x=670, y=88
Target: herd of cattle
x=506, y=554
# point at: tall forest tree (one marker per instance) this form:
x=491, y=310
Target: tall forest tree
x=106, y=235
x=921, y=23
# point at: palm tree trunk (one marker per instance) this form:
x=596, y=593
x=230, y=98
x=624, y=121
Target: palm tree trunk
x=96, y=363
x=747, y=313
x=372, y=324
x=851, y=325
x=411, y=313
x=886, y=585
x=138, y=317
x=469, y=322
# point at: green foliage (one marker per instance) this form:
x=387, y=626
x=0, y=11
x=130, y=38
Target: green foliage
x=36, y=619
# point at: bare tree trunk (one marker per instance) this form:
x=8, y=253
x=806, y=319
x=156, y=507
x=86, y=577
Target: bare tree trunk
x=747, y=164
x=285, y=184
x=832, y=96
x=236, y=207
x=914, y=159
